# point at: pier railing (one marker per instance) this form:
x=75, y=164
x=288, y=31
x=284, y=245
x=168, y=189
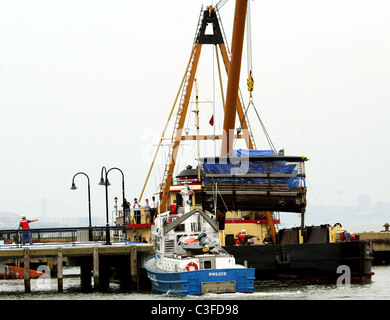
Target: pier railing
x=144, y=217
x=72, y=235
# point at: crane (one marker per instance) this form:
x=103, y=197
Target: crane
x=234, y=104
x=293, y=198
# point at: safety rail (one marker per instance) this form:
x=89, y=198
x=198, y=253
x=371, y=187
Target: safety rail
x=144, y=217
x=47, y=236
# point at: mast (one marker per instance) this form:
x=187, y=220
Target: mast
x=178, y=129
x=197, y=128
x=234, y=77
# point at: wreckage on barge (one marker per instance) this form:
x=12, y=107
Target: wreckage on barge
x=258, y=183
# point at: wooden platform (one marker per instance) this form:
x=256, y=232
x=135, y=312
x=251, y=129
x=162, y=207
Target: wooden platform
x=380, y=244
x=95, y=257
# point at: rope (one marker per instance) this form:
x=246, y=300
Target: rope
x=216, y=187
x=220, y=4
x=270, y=143
x=250, y=80
x=249, y=39
x=250, y=89
x=315, y=199
x=250, y=83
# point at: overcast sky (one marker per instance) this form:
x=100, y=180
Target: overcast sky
x=86, y=84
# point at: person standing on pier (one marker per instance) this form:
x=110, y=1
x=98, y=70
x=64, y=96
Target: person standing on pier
x=137, y=211
x=126, y=211
x=24, y=225
x=147, y=211
x=153, y=209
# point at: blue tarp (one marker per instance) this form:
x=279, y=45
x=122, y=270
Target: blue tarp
x=248, y=153
x=245, y=166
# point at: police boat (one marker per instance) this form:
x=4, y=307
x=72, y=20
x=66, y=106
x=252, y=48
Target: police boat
x=189, y=259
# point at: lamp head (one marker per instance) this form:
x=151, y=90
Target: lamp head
x=103, y=183
x=73, y=187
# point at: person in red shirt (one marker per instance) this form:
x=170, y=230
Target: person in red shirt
x=242, y=238
x=173, y=208
x=173, y=211
x=24, y=225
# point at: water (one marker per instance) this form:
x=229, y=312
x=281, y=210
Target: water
x=46, y=289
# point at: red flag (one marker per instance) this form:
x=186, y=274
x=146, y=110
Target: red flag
x=211, y=120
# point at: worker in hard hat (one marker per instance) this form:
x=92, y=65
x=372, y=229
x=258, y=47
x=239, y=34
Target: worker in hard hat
x=242, y=238
x=344, y=237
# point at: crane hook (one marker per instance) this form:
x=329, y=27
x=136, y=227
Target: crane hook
x=250, y=83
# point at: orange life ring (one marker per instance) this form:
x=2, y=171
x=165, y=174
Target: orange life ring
x=192, y=264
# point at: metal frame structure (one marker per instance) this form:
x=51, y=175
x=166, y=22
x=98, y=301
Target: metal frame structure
x=234, y=103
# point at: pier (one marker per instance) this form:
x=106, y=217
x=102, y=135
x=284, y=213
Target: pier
x=99, y=261
x=380, y=244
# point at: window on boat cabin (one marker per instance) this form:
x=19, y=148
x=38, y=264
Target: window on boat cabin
x=196, y=226
x=179, y=199
x=180, y=228
x=198, y=198
x=207, y=264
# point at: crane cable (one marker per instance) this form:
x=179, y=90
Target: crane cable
x=267, y=136
x=220, y=4
x=250, y=81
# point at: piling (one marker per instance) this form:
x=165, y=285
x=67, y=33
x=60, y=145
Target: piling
x=95, y=263
x=134, y=267
x=26, y=275
x=60, y=278
x=85, y=275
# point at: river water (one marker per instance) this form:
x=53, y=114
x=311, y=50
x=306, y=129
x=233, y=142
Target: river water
x=46, y=289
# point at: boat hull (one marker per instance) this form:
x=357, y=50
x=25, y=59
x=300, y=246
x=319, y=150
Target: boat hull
x=197, y=282
x=14, y=272
x=317, y=262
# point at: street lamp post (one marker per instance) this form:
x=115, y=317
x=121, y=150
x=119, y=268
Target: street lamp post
x=116, y=208
x=73, y=187
x=105, y=182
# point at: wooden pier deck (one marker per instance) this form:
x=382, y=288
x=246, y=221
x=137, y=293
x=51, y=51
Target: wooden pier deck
x=96, y=260
x=380, y=244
